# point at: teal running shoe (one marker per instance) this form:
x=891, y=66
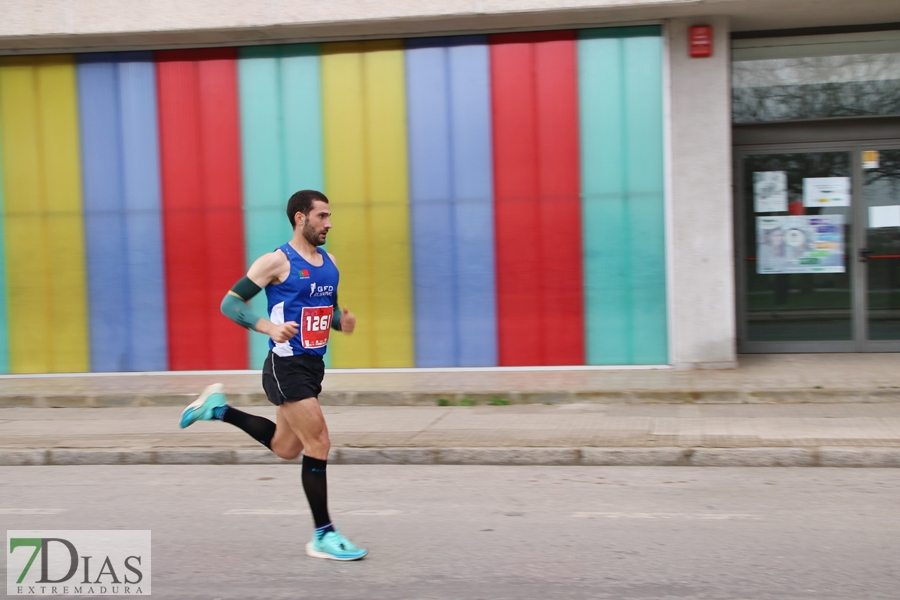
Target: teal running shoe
x=202, y=408
x=334, y=546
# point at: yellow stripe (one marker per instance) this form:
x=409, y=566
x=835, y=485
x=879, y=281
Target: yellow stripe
x=364, y=121
x=44, y=223
x=345, y=185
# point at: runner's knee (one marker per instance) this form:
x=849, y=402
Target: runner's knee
x=319, y=446
x=286, y=447
x=287, y=453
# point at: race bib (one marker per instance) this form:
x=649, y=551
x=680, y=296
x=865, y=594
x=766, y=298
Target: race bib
x=315, y=326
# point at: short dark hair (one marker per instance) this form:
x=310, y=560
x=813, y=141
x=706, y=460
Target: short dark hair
x=302, y=201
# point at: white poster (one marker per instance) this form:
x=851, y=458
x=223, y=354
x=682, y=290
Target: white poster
x=819, y=192
x=884, y=216
x=770, y=191
x=800, y=244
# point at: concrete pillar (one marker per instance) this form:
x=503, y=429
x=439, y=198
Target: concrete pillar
x=700, y=223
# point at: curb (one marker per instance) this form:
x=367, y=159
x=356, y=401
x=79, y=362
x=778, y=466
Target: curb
x=848, y=457
x=674, y=396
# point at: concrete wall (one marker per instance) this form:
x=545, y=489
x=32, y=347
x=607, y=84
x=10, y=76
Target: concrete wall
x=701, y=263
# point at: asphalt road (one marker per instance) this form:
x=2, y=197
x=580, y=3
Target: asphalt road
x=237, y=532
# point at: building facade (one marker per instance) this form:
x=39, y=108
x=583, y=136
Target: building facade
x=513, y=183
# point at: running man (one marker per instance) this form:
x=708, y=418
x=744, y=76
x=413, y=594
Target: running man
x=301, y=282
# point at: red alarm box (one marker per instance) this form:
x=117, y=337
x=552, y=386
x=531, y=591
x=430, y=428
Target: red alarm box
x=700, y=41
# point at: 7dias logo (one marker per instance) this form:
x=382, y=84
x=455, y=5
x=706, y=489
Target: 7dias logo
x=78, y=563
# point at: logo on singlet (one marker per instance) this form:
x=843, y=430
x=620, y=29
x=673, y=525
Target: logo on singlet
x=304, y=274
x=320, y=290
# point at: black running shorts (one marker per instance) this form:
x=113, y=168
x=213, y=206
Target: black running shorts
x=292, y=378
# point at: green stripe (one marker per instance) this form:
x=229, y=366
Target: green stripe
x=282, y=152
x=620, y=98
x=644, y=132
x=619, y=33
x=301, y=101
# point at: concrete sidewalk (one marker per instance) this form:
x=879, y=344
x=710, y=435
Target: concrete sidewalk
x=773, y=378
x=774, y=410
x=858, y=435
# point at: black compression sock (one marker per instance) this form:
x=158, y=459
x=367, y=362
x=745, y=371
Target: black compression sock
x=259, y=428
x=316, y=488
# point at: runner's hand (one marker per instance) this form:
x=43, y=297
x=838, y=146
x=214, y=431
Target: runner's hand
x=282, y=333
x=348, y=321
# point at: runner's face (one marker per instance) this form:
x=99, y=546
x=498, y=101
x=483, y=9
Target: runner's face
x=316, y=226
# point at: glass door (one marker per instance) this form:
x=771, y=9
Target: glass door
x=818, y=240
x=795, y=237
x=880, y=254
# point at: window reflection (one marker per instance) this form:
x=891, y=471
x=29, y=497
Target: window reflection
x=814, y=77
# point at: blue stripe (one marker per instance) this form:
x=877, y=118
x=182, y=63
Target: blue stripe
x=451, y=197
x=470, y=113
x=104, y=219
x=431, y=204
x=148, y=346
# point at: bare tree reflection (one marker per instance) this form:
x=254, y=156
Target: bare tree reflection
x=815, y=87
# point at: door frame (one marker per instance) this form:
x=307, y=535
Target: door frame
x=836, y=135
x=867, y=345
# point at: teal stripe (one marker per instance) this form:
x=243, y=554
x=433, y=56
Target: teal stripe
x=301, y=99
x=281, y=137
x=620, y=101
x=4, y=315
x=258, y=89
x=644, y=132
x=606, y=267
x=302, y=143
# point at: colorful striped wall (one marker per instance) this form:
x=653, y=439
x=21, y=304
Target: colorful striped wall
x=497, y=200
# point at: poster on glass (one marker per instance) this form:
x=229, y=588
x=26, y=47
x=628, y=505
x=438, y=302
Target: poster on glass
x=770, y=193
x=800, y=244
x=821, y=192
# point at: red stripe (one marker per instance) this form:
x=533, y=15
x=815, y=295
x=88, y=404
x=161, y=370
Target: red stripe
x=536, y=194
x=202, y=218
x=560, y=186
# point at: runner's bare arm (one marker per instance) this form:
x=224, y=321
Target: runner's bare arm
x=268, y=268
x=343, y=320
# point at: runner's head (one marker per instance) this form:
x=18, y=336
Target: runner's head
x=309, y=210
